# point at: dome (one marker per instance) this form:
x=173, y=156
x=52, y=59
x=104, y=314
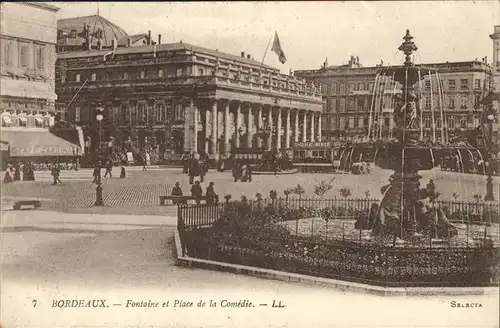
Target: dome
x=95, y=22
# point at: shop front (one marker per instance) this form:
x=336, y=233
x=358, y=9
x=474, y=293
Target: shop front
x=42, y=148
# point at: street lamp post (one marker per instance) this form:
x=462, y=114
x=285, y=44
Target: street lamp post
x=98, y=190
x=489, y=118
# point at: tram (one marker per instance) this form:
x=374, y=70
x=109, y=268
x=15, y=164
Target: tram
x=315, y=156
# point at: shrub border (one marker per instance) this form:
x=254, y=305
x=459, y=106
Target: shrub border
x=190, y=262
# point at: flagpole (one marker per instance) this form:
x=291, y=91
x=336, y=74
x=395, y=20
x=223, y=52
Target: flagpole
x=265, y=53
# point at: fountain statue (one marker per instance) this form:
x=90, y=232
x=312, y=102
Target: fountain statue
x=402, y=212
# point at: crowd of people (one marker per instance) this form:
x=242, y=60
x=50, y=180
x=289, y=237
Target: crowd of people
x=20, y=171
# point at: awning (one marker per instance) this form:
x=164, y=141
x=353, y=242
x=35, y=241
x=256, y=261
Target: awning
x=37, y=143
x=28, y=89
x=4, y=146
x=6, y=120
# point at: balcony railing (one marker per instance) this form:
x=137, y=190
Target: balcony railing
x=198, y=80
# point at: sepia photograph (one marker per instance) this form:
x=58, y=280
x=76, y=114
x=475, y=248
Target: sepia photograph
x=250, y=164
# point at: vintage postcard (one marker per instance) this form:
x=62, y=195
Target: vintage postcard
x=250, y=164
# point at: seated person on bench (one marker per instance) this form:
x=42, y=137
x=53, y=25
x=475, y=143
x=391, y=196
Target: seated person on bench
x=176, y=191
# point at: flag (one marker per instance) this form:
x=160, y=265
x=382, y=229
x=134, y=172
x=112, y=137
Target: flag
x=277, y=48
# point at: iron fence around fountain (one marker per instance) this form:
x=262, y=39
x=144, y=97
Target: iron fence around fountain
x=377, y=265
x=195, y=216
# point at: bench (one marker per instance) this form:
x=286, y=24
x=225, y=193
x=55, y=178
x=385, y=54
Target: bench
x=179, y=199
x=35, y=203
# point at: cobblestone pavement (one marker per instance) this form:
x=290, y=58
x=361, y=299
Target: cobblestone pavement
x=139, y=192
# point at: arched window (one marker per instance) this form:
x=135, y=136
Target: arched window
x=125, y=76
x=94, y=76
x=161, y=73
x=143, y=74
x=77, y=78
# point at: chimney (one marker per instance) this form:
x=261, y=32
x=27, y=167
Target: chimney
x=249, y=57
x=242, y=54
x=114, y=44
x=73, y=34
x=129, y=42
x=486, y=59
x=159, y=38
x=149, y=37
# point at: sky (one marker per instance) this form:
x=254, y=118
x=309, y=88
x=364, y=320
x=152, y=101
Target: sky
x=311, y=31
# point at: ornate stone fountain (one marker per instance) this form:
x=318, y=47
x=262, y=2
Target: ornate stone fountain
x=400, y=213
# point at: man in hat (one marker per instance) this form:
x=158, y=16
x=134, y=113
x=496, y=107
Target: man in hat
x=212, y=197
x=176, y=191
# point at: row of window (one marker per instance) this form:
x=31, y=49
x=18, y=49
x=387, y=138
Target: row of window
x=126, y=113
x=385, y=83
x=464, y=84
x=127, y=75
x=23, y=54
x=108, y=76
x=341, y=105
x=362, y=122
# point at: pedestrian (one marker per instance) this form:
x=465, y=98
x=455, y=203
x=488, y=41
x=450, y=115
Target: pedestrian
x=431, y=189
x=97, y=173
x=144, y=163
x=196, y=192
x=56, y=171
x=17, y=172
x=123, y=174
x=7, y=177
x=212, y=197
x=21, y=171
x=109, y=168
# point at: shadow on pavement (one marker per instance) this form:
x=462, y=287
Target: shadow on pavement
x=76, y=230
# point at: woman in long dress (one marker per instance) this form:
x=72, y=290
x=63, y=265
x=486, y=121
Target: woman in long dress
x=7, y=177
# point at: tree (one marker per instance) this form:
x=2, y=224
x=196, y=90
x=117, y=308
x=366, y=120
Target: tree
x=323, y=187
x=345, y=192
x=287, y=192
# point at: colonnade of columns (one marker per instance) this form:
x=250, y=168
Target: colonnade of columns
x=217, y=126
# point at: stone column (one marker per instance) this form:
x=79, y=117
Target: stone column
x=319, y=127
x=287, y=129
x=214, y=126
x=207, y=134
x=313, y=118
x=304, y=128
x=237, y=120
x=259, y=124
x=226, y=127
x=270, y=122
x=249, y=127
x=191, y=127
x=296, y=126
x=278, y=130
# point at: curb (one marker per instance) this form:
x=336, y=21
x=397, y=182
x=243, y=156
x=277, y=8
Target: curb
x=325, y=282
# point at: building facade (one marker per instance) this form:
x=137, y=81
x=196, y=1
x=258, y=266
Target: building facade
x=360, y=101
x=28, y=50
x=181, y=97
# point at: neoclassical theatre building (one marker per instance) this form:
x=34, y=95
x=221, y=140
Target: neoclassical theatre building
x=182, y=97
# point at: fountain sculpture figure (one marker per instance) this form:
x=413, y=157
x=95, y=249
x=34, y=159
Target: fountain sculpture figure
x=401, y=213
